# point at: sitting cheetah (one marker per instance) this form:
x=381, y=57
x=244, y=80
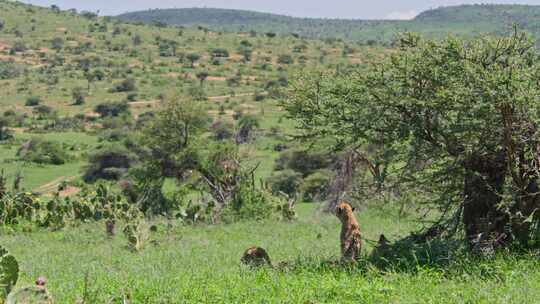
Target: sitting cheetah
x=351, y=243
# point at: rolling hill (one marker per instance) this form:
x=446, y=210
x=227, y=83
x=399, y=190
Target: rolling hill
x=461, y=20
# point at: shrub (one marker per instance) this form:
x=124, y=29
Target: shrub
x=126, y=85
x=9, y=70
x=219, y=53
x=5, y=133
x=79, y=95
x=249, y=203
x=42, y=151
x=246, y=125
x=43, y=112
x=222, y=130
x=112, y=109
x=57, y=43
x=110, y=162
x=32, y=101
x=302, y=161
x=18, y=46
x=286, y=181
x=285, y=59
x=315, y=186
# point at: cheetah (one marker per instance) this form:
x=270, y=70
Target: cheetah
x=351, y=243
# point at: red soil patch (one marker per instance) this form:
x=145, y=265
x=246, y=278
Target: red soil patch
x=69, y=191
x=216, y=78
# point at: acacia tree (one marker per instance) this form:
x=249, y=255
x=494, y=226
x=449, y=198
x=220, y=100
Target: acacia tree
x=458, y=119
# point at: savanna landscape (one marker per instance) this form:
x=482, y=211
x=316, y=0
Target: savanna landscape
x=224, y=156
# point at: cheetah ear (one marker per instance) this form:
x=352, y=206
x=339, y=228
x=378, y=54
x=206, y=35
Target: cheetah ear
x=353, y=209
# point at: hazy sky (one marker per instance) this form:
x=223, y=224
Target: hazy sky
x=358, y=9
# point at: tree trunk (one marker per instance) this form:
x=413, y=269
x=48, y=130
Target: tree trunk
x=485, y=224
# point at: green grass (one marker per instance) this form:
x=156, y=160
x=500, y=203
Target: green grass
x=35, y=175
x=200, y=264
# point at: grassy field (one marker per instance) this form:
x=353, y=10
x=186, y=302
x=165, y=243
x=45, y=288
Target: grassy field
x=201, y=264
x=47, y=177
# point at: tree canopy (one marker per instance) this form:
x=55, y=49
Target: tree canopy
x=453, y=120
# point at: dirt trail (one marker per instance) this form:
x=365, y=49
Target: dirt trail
x=215, y=98
x=52, y=186
x=223, y=97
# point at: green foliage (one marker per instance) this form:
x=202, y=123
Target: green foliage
x=222, y=130
x=315, y=186
x=9, y=273
x=436, y=112
x=92, y=204
x=79, y=95
x=126, y=85
x=285, y=59
x=246, y=125
x=219, y=53
x=5, y=133
x=32, y=101
x=42, y=151
x=110, y=162
x=9, y=70
x=174, y=132
x=112, y=109
x=193, y=57
x=249, y=203
x=286, y=181
x=303, y=161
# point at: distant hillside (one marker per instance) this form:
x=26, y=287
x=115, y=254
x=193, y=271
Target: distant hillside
x=460, y=20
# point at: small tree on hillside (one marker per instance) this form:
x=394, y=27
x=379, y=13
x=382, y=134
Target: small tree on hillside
x=193, y=57
x=79, y=96
x=57, y=43
x=202, y=76
x=4, y=130
x=246, y=124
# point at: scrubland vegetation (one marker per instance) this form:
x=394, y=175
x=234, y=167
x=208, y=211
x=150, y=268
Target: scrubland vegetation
x=140, y=161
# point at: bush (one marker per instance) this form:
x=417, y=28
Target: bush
x=127, y=85
x=44, y=112
x=222, y=130
x=219, y=53
x=250, y=203
x=79, y=95
x=112, y=109
x=286, y=181
x=42, y=151
x=113, y=135
x=9, y=70
x=302, y=161
x=110, y=163
x=315, y=186
x=5, y=133
x=285, y=59
x=32, y=101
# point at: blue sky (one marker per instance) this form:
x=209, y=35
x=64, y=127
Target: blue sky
x=358, y=9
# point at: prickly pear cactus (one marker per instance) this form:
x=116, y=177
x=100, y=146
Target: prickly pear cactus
x=9, y=273
x=30, y=295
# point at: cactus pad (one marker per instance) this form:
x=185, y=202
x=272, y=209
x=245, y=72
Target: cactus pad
x=9, y=273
